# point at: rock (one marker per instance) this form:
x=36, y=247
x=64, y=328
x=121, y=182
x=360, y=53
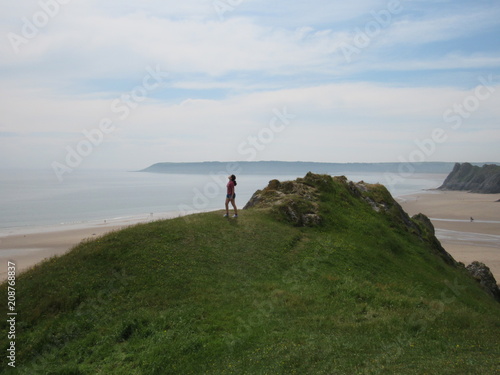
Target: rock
x=379, y=198
x=372, y=203
x=254, y=200
x=485, y=278
x=295, y=201
x=274, y=185
x=467, y=177
x=425, y=230
x=310, y=220
x=426, y=222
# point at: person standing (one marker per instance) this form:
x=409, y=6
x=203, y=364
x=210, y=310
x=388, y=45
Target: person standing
x=231, y=195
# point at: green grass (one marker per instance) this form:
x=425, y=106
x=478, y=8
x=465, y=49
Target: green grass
x=360, y=294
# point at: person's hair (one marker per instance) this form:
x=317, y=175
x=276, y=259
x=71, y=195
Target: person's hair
x=233, y=178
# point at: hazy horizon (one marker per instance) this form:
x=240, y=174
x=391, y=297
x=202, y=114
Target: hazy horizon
x=124, y=168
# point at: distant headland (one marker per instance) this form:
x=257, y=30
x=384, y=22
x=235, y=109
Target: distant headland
x=468, y=177
x=299, y=168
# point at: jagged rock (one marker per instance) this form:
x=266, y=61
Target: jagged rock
x=372, y=203
x=426, y=222
x=357, y=189
x=427, y=233
x=299, y=213
x=485, y=278
x=254, y=200
x=274, y=185
x=467, y=177
x=379, y=198
x=311, y=219
x=295, y=201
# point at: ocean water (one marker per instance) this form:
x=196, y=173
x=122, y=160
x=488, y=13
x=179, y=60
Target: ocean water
x=37, y=198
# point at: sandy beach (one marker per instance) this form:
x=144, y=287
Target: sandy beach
x=465, y=239
x=29, y=246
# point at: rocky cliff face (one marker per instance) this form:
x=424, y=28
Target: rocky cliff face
x=485, y=179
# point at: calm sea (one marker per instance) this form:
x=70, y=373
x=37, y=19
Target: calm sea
x=37, y=198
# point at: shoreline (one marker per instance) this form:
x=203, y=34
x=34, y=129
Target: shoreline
x=467, y=224
x=28, y=246
x=98, y=223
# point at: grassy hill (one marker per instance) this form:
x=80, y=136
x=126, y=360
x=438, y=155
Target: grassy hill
x=362, y=290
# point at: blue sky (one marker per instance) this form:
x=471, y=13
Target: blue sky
x=198, y=80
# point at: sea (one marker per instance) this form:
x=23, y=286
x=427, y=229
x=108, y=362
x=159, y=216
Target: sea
x=37, y=199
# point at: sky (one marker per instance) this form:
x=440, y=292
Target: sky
x=88, y=84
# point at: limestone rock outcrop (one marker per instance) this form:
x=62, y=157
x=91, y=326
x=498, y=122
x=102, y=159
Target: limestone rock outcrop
x=485, y=278
x=467, y=177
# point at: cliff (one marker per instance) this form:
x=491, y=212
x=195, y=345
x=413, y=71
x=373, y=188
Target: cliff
x=467, y=177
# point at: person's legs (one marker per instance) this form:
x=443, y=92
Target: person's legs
x=233, y=203
x=227, y=206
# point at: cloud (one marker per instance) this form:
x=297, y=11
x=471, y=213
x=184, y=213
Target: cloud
x=102, y=42
x=226, y=77
x=341, y=122
x=409, y=30
x=212, y=48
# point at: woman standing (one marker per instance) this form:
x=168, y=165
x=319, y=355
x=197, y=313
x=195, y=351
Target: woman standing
x=231, y=195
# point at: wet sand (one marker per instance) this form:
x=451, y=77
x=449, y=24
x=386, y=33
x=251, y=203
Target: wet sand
x=451, y=213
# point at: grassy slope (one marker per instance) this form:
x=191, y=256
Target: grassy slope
x=359, y=295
